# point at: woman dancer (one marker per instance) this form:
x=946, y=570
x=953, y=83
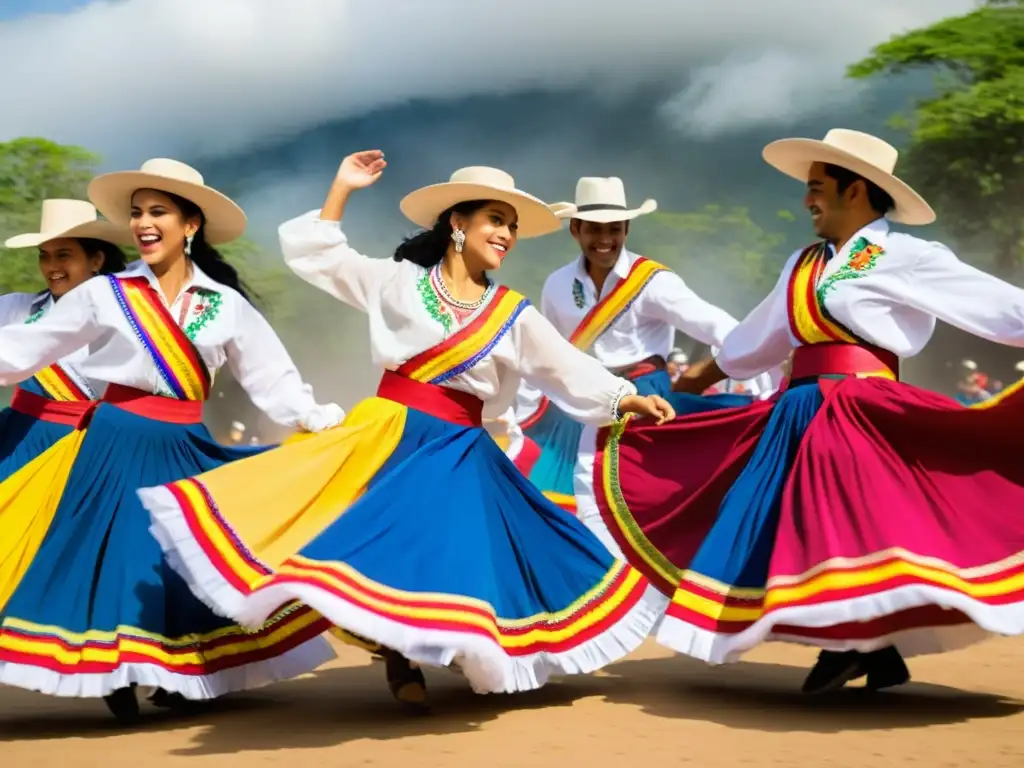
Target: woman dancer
x=408, y=526
x=99, y=611
x=40, y=432
x=855, y=512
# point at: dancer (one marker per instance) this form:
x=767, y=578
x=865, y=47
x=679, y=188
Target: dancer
x=99, y=611
x=622, y=308
x=847, y=513
x=408, y=525
x=40, y=431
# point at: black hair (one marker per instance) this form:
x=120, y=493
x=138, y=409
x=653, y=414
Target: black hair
x=204, y=255
x=429, y=246
x=113, y=257
x=881, y=202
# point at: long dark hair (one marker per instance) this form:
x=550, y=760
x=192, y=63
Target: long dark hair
x=429, y=246
x=205, y=256
x=113, y=257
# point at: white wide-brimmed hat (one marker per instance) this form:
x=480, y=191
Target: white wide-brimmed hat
x=112, y=195
x=70, y=218
x=603, y=200
x=479, y=182
x=862, y=153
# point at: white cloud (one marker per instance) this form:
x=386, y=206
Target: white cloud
x=145, y=76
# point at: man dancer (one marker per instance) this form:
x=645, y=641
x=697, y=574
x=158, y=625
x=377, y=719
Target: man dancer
x=622, y=308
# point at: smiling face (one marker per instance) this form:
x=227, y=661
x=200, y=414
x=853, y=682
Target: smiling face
x=491, y=233
x=65, y=264
x=160, y=227
x=600, y=242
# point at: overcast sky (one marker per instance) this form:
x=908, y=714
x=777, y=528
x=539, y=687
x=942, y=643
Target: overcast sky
x=199, y=75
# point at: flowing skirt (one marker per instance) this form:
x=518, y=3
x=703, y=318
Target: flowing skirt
x=414, y=533
x=37, y=450
x=848, y=514
x=98, y=608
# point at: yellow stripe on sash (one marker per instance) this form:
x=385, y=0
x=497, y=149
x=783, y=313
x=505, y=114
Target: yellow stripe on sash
x=615, y=303
x=469, y=348
x=55, y=385
x=807, y=318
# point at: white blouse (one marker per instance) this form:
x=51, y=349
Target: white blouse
x=892, y=304
x=401, y=327
x=229, y=330
x=15, y=308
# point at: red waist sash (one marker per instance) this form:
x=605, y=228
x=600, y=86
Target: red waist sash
x=632, y=372
x=444, y=403
x=69, y=414
x=135, y=401
x=841, y=359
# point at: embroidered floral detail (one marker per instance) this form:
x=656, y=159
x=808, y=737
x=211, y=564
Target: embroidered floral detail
x=863, y=257
x=436, y=308
x=577, y=293
x=206, y=308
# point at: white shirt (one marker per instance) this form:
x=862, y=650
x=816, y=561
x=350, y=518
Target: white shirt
x=401, y=327
x=647, y=327
x=234, y=333
x=15, y=308
x=892, y=305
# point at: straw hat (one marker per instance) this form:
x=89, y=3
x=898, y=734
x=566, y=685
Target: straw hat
x=479, y=182
x=603, y=200
x=862, y=153
x=112, y=195
x=70, y=218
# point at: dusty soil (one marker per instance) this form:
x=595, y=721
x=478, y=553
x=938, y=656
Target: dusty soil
x=654, y=709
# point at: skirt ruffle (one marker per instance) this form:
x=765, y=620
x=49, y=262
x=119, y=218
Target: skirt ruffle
x=848, y=515
x=415, y=534
x=98, y=608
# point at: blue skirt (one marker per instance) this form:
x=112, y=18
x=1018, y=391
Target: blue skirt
x=416, y=534
x=99, y=609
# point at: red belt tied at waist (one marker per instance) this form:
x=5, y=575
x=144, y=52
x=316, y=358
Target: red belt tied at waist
x=839, y=359
x=77, y=414
x=444, y=403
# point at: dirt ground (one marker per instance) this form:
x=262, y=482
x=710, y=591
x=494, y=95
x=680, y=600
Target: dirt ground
x=963, y=709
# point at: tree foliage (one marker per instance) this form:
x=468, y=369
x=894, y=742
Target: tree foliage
x=966, y=148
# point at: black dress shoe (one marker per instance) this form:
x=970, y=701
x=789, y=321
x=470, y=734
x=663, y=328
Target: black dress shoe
x=834, y=670
x=405, y=681
x=124, y=705
x=174, y=701
x=886, y=669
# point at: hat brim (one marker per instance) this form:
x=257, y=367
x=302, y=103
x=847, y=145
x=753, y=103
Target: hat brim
x=424, y=205
x=608, y=215
x=96, y=230
x=794, y=157
x=112, y=193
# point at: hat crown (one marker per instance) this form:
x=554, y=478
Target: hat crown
x=173, y=169
x=483, y=175
x=59, y=214
x=596, y=190
x=868, y=148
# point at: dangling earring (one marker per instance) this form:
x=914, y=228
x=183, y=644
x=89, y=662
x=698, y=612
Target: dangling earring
x=460, y=239
x=188, y=245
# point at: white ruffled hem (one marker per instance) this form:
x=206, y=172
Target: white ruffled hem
x=487, y=666
x=721, y=648
x=297, y=661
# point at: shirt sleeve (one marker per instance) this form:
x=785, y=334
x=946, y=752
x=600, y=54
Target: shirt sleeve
x=14, y=307
x=574, y=381
x=319, y=253
x=264, y=369
x=761, y=341
x=669, y=299
x=70, y=325
x=961, y=295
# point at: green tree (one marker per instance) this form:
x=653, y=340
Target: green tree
x=966, y=142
